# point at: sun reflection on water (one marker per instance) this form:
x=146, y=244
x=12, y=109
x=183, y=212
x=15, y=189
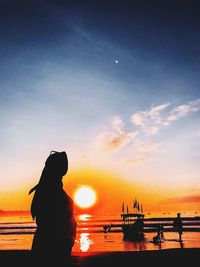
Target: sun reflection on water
x=85, y=242
x=84, y=217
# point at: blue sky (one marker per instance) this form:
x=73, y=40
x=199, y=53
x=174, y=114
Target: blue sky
x=62, y=88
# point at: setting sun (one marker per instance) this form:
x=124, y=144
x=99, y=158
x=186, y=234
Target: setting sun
x=85, y=197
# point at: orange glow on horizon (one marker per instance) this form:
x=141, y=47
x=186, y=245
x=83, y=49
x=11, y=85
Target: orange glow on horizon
x=112, y=189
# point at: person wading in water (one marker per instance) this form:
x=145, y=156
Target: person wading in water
x=178, y=225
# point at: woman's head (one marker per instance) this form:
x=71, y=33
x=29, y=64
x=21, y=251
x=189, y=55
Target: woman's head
x=57, y=163
x=56, y=166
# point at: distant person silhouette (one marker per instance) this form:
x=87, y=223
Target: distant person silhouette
x=160, y=230
x=178, y=225
x=53, y=210
x=157, y=238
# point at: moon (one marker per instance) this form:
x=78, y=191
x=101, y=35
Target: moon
x=116, y=61
x=85, y=197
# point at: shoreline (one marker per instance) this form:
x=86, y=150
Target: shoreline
x=96, y=259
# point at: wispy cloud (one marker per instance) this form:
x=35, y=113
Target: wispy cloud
x=142, y=151
x=136, y=160
x=153, y=114
x=145, y=148
x=117, y=137
x=151, y=120
x=197, y=134
x=183, y=110
x=146, y=124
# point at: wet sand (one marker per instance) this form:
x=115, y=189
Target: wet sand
x=171, y=257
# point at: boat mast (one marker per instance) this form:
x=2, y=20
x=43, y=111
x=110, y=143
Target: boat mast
x=123, y=207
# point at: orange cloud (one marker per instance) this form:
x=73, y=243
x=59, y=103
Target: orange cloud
x=117, y=137
x=184, y=199
x=136, y=160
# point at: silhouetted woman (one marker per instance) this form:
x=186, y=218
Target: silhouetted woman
x=53, y=210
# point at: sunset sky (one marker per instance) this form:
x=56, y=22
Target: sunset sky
x=116, y=86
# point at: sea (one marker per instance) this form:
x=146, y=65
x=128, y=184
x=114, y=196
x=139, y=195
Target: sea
x=16, y=233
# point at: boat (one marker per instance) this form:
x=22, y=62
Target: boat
x=133, y=224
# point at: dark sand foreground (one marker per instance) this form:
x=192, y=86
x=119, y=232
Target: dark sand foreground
x=169, y=257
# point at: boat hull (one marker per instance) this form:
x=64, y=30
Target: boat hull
x=130, y=233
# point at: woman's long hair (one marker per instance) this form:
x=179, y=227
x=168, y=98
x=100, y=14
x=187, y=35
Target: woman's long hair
x=55, y=168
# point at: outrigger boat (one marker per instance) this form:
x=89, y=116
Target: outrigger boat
x=133, y=225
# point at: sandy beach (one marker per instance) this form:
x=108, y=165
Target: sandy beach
x=170, y=257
